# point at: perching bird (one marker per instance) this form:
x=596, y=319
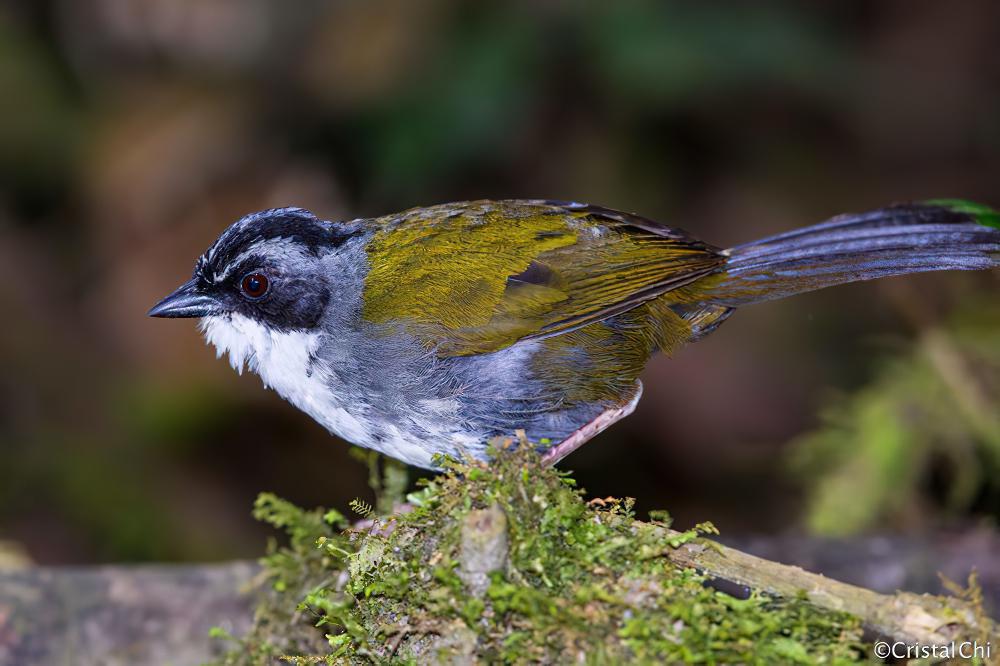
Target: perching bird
x=437, y=329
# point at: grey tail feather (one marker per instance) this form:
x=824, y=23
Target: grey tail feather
x=907, y=238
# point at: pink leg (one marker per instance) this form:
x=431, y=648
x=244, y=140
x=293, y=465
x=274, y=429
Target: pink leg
x=590, y=430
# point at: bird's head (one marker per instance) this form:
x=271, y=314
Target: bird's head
x=267, y=267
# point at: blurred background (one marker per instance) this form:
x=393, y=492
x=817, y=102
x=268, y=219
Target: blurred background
x=133, y=132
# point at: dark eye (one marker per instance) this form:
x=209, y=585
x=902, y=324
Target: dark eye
x=254, y=285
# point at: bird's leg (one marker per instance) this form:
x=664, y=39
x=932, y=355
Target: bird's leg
x=592, y=429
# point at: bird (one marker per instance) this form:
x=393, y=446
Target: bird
x=435, y=331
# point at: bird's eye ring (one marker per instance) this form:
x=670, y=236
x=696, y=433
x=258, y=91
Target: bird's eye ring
x=254, y=285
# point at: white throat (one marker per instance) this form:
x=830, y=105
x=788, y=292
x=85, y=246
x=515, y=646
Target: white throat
x=285, y=362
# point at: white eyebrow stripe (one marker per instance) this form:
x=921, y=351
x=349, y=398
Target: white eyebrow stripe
x=282, y=247
x=237, y=260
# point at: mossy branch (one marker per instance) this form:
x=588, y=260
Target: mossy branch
x=903, y=616
x=507, y=562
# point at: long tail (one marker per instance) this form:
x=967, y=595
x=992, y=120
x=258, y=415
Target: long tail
x=909, y=238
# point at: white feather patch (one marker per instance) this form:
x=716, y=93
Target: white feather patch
x=284, y=361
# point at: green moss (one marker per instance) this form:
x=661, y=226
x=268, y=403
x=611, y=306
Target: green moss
x=583, y=581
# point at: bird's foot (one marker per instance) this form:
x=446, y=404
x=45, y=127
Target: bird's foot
x=603, y=421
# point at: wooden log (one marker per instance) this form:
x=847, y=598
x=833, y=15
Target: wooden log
x=155, y=614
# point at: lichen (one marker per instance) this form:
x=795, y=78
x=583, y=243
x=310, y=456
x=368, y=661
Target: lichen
x=582, y=581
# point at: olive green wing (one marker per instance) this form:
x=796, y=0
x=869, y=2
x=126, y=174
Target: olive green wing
x=476, y=277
